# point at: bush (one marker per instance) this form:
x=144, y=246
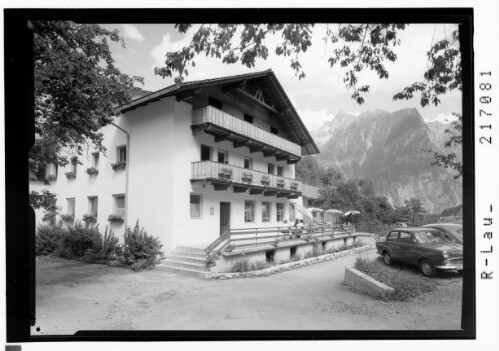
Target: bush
x=110, y=248
x=140, y=250
x=48, y=238
x=78, y=240
x=240, y=266
x=407, y=284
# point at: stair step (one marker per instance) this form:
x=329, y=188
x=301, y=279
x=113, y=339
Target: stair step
x=183, y=264
x=190, y=249
x=187, y=253
x=186, y=258
x=186, y=271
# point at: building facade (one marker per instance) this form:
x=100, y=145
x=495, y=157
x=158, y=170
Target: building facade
x=190, y=162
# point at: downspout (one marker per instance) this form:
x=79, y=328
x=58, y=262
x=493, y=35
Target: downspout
x=126, y=170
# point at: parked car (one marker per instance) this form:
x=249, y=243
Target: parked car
x=427, y=248
x=454, y=230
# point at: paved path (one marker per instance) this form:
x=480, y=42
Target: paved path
x=311, y=297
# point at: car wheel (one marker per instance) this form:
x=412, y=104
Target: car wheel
x=387, y=259
x=427, y=269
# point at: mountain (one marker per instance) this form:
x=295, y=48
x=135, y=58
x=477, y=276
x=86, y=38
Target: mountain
x=390, y=149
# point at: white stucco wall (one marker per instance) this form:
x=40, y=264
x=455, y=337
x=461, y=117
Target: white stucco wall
x=162, y=148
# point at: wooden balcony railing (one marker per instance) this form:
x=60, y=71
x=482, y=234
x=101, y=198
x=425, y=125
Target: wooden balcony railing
x=216, y=117
x=238, y=175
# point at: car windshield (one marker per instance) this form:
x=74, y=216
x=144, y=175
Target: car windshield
x=430, y=237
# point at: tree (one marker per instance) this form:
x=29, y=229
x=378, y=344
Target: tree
x=77, y=90
x=415, y=209
x=356, y=47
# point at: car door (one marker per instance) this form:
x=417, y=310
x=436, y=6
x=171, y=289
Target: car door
x=407, y=248
x=391, y=244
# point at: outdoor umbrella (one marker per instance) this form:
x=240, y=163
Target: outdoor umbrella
x=304, y=211
x=332, y=210
x=351, y=213
x=315, y=209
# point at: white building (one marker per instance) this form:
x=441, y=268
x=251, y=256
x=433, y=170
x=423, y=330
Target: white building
x=191, y=162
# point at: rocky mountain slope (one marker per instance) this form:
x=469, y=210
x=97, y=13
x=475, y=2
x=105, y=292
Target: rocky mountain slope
x=391, y=150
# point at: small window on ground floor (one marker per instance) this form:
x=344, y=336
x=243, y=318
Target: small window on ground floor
x=265, y=211
x=249, y=211
x=280, y=212
x=291, y=212
x=196, y=205
x=93, y=205
x=119, y=205
x=70, y=202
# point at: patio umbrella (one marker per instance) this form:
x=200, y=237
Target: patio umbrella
x=304, y=211
x=332, y=210
x=315, y=209
x=351, y=213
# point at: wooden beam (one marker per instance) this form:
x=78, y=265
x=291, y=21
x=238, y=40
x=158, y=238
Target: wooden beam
x=282, y=157
x=269, y=153
x=241, y=143
x=220, y=186
x=228, y=87
x=197, y=130
x=293, y=161
x=282, y=195
x=239, y=90
x=223, y=137
x=240, y=189
x=269, y=193
x=186, y=95
x=256, y=149
x=256, y=191
x=293, y=196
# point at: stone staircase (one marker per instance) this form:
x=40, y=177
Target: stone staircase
x=186, y=260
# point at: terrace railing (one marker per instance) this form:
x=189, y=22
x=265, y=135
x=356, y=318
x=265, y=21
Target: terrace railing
x=234, y=174
x=251, y=238
x=222, y=119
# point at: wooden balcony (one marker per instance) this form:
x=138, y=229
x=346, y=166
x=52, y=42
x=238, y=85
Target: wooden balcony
x=223, y=176
x=226, y=127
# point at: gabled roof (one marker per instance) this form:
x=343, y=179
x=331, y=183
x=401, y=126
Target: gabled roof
x=287, y=109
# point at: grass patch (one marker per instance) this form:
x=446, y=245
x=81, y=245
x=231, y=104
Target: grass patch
x=406, y=282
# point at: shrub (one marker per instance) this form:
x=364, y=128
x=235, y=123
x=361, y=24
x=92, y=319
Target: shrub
x=110, y=248
x=240, y=266
x=78, y=240
x=309, y=254
x=140, y=250
x=48, y=238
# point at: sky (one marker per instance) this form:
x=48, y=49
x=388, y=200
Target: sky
x=319, y=96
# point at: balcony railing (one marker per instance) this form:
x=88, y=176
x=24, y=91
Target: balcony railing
x=233, y=174
x=221, y=119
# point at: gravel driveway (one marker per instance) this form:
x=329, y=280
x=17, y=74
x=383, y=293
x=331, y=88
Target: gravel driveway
x=74, y=296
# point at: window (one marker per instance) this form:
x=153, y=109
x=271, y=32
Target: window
x=51, y=171
x=95, y=160
x=280, y=212
x=205, y=153
x=119, y=205
x=195, y=206
x=265, y=211
x=279, y=171
x=93, y=205
x=291, y=212
x=248, y=163
x=121, y=153
x=249, y=211
x=271, y=168
x=405, y=237
x=74, y=164
x=70, y=202
x=274, y=130
x=222, y=156
x=248, y=118
x=215, y=103
x=392, y=236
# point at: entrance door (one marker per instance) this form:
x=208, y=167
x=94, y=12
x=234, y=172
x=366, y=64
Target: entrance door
x=224, y=217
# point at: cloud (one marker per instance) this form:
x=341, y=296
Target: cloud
x=443, y=118
x=132, y=32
